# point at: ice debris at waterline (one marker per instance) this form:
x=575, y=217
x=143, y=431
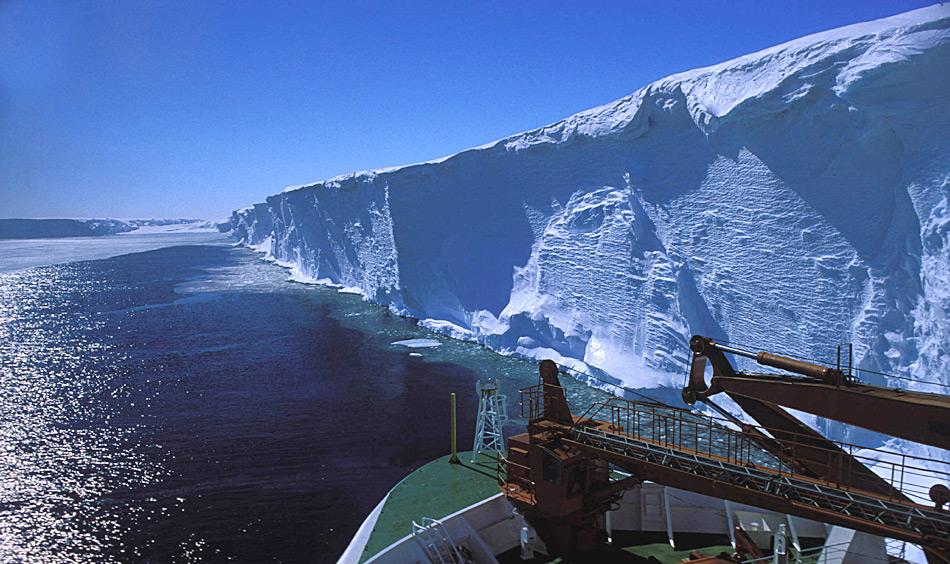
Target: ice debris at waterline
x=793, y=198
x=418, y=343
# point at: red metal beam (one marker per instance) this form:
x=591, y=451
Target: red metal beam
x=690, y=482
x=915, y=416
x=810, y=449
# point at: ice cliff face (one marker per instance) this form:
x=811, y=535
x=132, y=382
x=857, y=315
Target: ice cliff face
x=792, y=199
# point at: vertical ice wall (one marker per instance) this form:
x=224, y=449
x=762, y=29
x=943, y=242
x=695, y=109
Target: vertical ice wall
x=792, y=199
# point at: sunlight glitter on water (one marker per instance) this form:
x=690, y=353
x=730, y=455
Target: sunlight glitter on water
x=59, y=456
x=171, y=405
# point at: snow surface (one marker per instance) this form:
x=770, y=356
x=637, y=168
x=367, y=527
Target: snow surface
x=171, y=225
x=790, y=200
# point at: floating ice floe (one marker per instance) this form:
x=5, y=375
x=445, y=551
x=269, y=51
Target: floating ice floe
x=418, y=343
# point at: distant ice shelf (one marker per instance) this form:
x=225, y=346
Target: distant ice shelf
x=60, y=228
x=791, y=199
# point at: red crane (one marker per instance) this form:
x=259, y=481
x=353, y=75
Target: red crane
x=558, y=473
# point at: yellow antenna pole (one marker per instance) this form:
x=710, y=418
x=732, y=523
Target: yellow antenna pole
x=454, y=459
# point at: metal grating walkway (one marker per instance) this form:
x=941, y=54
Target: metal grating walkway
x=775, y=481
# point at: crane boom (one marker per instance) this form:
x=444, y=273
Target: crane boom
x=823, y=391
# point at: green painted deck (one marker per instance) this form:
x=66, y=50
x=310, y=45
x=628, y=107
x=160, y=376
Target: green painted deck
x=630, y=547
x=434, y=490
x=664, y=553
x=439, y=489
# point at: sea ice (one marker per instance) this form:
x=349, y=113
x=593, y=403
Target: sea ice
x=418, y=343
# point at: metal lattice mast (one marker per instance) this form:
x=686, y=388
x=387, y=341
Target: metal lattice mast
x=492, y=414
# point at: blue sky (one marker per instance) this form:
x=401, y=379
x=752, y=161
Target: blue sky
x=191, y=109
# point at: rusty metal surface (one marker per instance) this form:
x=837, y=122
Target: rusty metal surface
x=809, y=449
x=842, y=465
x=915, y=416
x=555, y=404
x=820, y=390
x=564, y=480
x=767, y=488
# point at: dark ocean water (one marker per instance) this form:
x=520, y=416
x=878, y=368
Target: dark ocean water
x=190, y=403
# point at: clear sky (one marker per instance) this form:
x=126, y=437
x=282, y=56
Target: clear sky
x=139, y=108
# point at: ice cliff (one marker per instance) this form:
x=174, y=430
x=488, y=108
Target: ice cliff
x=792, y=199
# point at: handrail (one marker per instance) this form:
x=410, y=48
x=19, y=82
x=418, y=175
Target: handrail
x=502, y=464
x=702, y=434
x=843, y=444
x=919, y=522
x=532, y=400
x=813, y=552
